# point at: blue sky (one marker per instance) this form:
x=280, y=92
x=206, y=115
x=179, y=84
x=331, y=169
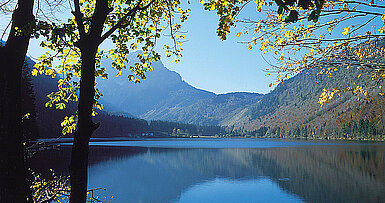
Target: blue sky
x=209, y=63
x=219, y=66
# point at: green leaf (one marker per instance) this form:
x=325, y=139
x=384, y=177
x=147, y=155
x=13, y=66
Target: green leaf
x=280, y=10
x=292, y=17
x=313, y=16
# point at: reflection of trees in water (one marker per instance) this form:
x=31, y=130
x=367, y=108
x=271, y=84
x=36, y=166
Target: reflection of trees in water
x=329, y=174
x=59, y=159
x=368, y=160
x=315, y=173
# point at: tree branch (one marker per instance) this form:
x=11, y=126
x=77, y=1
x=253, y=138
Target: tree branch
x=120, y=24
x=99, y=16
x=314, y=40
x=79, y=18
x=350, y=11
x=362, y=3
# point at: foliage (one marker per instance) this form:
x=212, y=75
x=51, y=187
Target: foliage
x=129, y=25
x=55, y=189
x=305, y=34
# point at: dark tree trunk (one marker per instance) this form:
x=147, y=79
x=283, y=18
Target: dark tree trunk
x=88, y=44
x=85, y=127
x=13, y=187
x=28, y=105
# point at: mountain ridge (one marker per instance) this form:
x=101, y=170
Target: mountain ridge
x=290, y=110
x=164, y=95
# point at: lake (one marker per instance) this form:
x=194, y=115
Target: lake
x=229, y=170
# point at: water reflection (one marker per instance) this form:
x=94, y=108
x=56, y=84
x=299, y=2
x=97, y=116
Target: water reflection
x=354, y=173
x=224, y=190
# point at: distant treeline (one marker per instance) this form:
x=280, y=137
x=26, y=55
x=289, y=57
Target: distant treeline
x=364, y=129
x=118, y=126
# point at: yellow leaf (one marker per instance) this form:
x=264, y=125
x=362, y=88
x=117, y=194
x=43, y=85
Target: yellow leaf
x=346, y=30
x=359, y=76
x=34, y=72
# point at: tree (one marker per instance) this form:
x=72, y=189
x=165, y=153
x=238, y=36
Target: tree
x=29, y=124
x=75, y=44
x=13, y=186
x=306, y=34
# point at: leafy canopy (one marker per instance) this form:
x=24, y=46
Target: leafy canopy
x=305, y=34
x=130, y=25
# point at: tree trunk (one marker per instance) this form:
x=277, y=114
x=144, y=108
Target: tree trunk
x=85, y=127
x=88, y=44
x=13, y=187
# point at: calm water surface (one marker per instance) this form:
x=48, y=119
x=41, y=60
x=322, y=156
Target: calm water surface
x=223, y=170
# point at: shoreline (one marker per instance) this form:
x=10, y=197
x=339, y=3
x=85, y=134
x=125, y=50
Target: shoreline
x=117, y=139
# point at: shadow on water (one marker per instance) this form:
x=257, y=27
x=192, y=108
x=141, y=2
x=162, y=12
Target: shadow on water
x=59, y=159
x=352, y=173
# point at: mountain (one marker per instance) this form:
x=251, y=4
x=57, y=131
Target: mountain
x=291, y=109
x=217, y=110
x=161, y=90
x=165, y=96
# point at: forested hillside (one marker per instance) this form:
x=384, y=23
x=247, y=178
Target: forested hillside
x=292, y=108
x=216, y=110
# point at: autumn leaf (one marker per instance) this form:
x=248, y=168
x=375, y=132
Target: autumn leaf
x=346, y=31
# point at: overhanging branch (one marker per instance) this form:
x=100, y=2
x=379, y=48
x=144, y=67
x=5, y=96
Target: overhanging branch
x=120, y=24
x=79, y=18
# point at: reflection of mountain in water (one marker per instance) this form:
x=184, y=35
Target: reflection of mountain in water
x=316, y=173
